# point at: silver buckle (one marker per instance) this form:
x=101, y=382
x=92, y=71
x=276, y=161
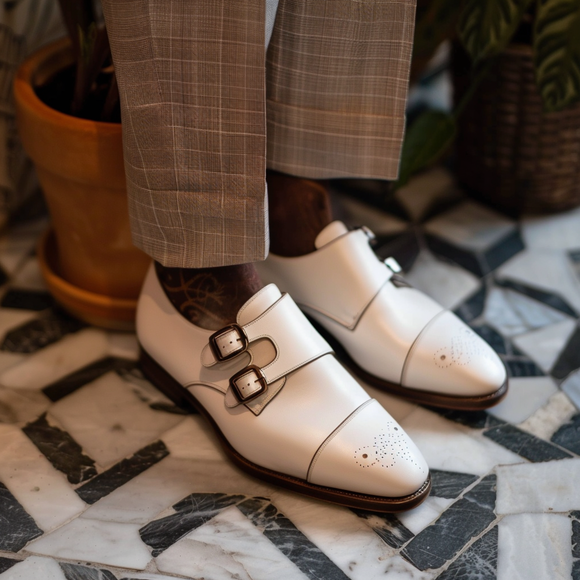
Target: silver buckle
x=228, y=342
x=393, y=265
x=248, y=383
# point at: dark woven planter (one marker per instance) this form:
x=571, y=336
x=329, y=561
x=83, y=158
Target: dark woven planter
x=510, y=153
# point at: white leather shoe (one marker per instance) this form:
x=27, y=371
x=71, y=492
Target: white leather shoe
x=283, y=407
x=391, y=335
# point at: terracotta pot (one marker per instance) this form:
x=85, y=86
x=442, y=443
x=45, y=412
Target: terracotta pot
x=80, y=169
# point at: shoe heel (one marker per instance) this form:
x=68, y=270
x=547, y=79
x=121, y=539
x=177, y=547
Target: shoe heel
x=164, y=382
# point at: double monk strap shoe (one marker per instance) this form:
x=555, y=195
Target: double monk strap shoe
x=389, y=334
x=284, y=409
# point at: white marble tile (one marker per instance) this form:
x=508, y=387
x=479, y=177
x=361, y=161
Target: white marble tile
x=548, y=270
x=19, y=406
x=148, y=494
x=544, y=345
x=448, y=447
x=123, y=345
x=356, y=213
x=471, y=225
x=109, y=421
x=534, y=547
x=34, y=568
x=424, y=189
x=193, y=438
x=447, y=284
x=228, y=546
x=144, y=576
x=41, y=490
x=344, y=537
x=550, y=486
x=556, y=232
x=525, y=396
x=397, y=568
x=513, y=313
x=571, y=386
x=17, y=243
x=545, y=421
x=11, y=318
x=108, y=543
x=57, y=360
x=416, y=520
x=28, y=276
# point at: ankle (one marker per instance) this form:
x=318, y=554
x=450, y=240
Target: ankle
x=299, y=210
x=209, y=297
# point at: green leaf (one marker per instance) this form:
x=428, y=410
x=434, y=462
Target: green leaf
x=486, y=26
x=427, y=139
x=557, y=52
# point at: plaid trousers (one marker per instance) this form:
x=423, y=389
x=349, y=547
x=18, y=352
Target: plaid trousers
x=205, y=110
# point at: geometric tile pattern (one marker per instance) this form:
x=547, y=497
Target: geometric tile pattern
x=103, y=478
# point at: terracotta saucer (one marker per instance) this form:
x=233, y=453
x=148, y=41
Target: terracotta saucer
x=96, y=309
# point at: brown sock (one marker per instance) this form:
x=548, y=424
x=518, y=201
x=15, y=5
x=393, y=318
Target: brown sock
x=209, y=297
x=299, y=209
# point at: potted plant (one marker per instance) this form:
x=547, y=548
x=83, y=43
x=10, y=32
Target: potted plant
x=67, y=110
x=516, y=119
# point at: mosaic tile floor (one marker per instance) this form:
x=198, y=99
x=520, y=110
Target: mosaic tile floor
x=102, y=478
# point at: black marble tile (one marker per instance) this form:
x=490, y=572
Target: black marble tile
x=40, y=332
x=7, y=563
x=473, y=307
x=290, y=540
x=569, y=359
x=525, y=444
x=505, y=249
x=403, y=247
x=552, y=300
x=387, y=527
x=450, y=484
x=27, y=299
x=568, y=435
x=492, y=337
x=575, y=517
x=522, y=367
x=17, y=528
x=458, y=524
x=473, y=419
x=77, y=572
x=122, y=472
x=478, y=562
x=191, y=512
x=61, y=450
x=464, y=258
x=69, y=384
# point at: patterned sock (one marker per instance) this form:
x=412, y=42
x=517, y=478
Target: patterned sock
x=299, y=209
x=209, y=297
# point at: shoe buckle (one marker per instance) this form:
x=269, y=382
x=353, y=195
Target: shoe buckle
x=228, y=342
x=393, y=265
x=248, y=383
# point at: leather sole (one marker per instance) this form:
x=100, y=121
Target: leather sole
x=184, y=399
x=414, y=395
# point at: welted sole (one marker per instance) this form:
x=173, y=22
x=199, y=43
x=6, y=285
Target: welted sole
x=413, y=395
x=184, y=399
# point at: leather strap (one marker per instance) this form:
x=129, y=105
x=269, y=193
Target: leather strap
x=296, y=341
